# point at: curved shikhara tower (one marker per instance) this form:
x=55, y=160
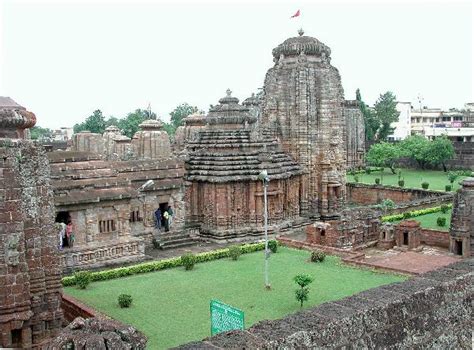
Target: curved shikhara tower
x=303, y=108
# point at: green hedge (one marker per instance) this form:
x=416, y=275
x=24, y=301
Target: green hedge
x=412, y=214
x=161, y=265
x=363, y=171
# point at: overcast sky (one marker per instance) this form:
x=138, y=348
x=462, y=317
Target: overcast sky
x=62, y=60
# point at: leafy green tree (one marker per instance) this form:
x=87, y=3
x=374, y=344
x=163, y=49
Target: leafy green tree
x=439, y=151
x=377, y=120
x=386, y=113
x=130, y=124
x=415, y=147
x=38, y=133
x=94, y=123
x=301, y=294
x=112, y=121
x=177, y=116
x=383, y=155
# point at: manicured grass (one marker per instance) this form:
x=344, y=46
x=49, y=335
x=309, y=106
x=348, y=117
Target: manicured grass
x=413, y=178
x=429, y=220
x=172, y=306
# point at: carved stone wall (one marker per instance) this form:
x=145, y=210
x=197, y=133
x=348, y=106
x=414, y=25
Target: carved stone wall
x=86, y=141
x=152, y=142
x=30, y=288
x=462, y=220
x=354, y=134
x=303, y=107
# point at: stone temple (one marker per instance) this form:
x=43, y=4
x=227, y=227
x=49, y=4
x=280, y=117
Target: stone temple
x=300, y=129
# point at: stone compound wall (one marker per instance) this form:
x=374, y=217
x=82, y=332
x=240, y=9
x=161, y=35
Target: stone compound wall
x=364, y=194
x=30, y=270
x=432, y=310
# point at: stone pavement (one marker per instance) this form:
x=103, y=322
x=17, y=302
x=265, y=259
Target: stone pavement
x=411, y=262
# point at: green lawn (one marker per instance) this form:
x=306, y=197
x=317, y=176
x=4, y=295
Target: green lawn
x=172, y=306
x=429, y=220
x=413, y=178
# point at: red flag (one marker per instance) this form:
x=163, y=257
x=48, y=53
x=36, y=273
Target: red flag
x=296, y=14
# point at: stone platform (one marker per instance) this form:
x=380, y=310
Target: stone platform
x=102, y=254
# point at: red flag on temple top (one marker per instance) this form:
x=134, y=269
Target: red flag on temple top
x=296, y=14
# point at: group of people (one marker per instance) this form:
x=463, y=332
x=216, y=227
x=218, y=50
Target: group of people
x=66, y=235
x=164, y=219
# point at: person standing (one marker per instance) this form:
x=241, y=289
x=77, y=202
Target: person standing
x=158, y=219
x=69, y=234
x=170, y=213
x=166, y=217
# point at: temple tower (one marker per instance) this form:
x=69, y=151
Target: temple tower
x=303, y=107
x=30, y=270
x=462, y=220
x=152, y=142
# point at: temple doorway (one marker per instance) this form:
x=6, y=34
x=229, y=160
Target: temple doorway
x=63, y=216
x=163, y=208
x=405, y=238
x=458, y=247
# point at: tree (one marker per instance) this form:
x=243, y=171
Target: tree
x=377, y=120
x=130, y=124
x=415, y=147
x=386, y=113
x=439, y=151
x=301, y=294
x=94, y=123
x=383, y=155
x=177, y=116
x=39, y=133
x=370, y=120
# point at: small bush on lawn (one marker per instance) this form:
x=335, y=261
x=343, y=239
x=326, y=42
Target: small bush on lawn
x=444, y=208
x=425, y=185
x=448, y=188
x=377, y=180
x=401, y=183
x=188, y=260
x=234, y=252
x=356, y=178
x=407, y=215
x=441, y=221
x=273, y=245
x=82, y=279
x=368, y=170
x=302, y=294
x=318, y=256
x=125, y=300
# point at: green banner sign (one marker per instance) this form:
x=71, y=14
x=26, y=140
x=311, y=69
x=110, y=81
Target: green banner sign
x=225, y=317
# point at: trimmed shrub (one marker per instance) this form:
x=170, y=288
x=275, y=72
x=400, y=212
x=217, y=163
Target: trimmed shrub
x=273, y=245
x=401, y=183
x=448, y=188
x=234, y=252
x=441, y=221
x=425, y=185
x=162, y=264
x=444, y=208
x=377, y=180
x=406, y=215
x=125, y=300
x=414, y=213
x=82, y=279
x=318, y=256
x=356, y=178
x=368, y=170
x=188, y=260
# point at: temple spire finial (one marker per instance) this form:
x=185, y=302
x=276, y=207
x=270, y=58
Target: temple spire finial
x=228, y=92
x=300, y=32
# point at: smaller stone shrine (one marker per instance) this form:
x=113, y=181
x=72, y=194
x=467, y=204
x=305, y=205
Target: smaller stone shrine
x=462, y=220
x=407, y=235
x=387, y=236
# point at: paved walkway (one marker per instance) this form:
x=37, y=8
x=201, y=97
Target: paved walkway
x=412, y=262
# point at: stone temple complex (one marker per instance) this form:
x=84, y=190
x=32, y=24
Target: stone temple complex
x=107, y=188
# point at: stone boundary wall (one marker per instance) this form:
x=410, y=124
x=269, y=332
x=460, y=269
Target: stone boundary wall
x=363, y=194
x=435, y=238
x=73, y=308
x=432, y=310
x=292, y=243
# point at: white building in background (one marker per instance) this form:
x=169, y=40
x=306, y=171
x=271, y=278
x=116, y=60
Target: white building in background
x=432, y=122
x=62, y=134
x=403, y=126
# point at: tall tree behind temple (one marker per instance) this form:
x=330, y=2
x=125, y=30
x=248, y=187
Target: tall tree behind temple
x=94, y=123
x=38, y=133
x=177, y=116
x=370, y=120
x=130, y=124
x=378, y=120
x=386, y=112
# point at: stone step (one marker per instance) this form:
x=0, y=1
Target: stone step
x=177, y=243
x=173, y=237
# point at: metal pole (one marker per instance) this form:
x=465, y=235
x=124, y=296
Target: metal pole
x=265, y=184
